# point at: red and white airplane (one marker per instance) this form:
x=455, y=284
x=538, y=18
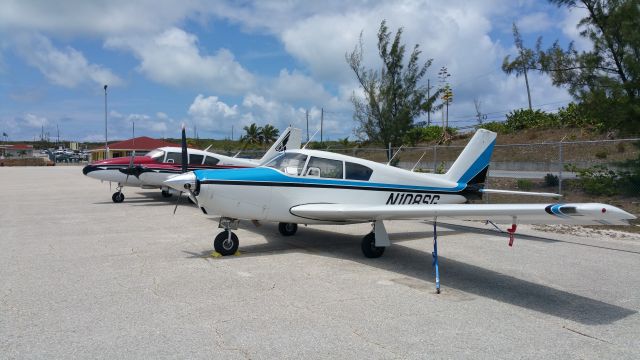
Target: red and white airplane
x=318, y=187
x=152, y=169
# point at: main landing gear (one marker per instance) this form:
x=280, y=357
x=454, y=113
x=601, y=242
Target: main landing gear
x=374, y=244
x=287, y=229
x=166, y=194
x=118, y=196
x=369, y=248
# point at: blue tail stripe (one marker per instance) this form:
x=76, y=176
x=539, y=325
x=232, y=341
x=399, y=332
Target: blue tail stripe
x=482, y=162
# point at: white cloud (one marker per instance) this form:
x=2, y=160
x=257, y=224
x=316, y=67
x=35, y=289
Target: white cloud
x=534, y=23
x=97, y=18
x=295, y=86
x=33, y=121
x=65, y=67
x=174, y=58
x=145, y=123
x=570, y=28
x=210, y=111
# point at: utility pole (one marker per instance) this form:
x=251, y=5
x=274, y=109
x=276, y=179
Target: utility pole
x=321, y=122
x=307, y=125
x=106, y=143
x=231, y=132
x=428, y=97
x=526, y=81
x=58, y=130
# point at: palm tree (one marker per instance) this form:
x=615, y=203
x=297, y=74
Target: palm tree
x=253, y=134
x=270, y=133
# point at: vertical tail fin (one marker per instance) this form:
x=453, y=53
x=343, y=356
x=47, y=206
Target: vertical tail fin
x=473, y=163
x=291, y=138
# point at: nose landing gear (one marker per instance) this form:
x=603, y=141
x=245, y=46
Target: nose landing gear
x=226, y=243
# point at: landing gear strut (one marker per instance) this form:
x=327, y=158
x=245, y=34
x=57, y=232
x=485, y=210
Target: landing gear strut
x=166, y=194
x=118, y=196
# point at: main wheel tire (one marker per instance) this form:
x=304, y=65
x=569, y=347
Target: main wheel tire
x=369, y=248
x=117, y=197
x=225, y=246
x=287, y=229
x=166, y=194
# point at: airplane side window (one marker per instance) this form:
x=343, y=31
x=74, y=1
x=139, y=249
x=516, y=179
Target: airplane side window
x=357, y=172
x=195, y=159
x=328, y=168
x=291, y=164
x=210, y=160
x=174, y=157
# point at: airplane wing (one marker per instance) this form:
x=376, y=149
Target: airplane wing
x=577, y=213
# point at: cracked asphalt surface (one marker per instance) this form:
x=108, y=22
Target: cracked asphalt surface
x=82, y=277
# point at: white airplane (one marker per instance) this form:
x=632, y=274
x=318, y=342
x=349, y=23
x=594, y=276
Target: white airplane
x=317, y=187
x=152, y=169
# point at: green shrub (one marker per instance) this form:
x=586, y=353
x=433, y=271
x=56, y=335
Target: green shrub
x=575, y=116
x=597, y=180
x=530, y=119
x=496, y=127
x=525, y=184
x=551, y=180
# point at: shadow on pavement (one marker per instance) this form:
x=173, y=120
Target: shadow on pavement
x=454, y=274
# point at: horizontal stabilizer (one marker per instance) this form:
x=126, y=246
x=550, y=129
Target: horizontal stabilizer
x=511, y=192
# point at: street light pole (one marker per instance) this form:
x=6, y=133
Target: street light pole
x=106, y=144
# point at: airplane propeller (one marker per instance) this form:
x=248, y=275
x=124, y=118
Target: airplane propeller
x=184, y=169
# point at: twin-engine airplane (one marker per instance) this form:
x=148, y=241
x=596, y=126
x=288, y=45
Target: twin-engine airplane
x=152, y=169
x=317, y=187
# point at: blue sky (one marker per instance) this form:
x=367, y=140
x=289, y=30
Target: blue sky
x=218, y=65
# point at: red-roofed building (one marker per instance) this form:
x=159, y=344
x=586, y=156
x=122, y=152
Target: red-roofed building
x=16, y=150
x=141, y=145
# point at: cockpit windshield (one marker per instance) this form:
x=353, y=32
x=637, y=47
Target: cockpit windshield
x=157, y=155
x=289, y=163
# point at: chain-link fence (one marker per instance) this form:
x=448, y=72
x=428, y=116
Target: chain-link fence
x=549, y=157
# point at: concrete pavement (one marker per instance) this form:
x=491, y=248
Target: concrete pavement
x=83, y=277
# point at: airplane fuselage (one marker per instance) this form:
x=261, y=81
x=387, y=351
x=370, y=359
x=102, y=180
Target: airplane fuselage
x=267, y=194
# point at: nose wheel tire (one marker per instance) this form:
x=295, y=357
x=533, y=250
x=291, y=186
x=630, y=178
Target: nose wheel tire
x=117, y=197
x=166, y=194
x=287, y=229
x=224, y=245
x=369, y=248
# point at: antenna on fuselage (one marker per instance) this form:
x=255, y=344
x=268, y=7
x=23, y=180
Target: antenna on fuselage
x=418, y=162
x=394, y=155
x=311, y=138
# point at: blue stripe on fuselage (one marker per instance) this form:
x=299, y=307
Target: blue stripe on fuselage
x=265, y=174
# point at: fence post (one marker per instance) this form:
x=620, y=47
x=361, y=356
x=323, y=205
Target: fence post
x=389, y=152
x=561, y=166
x=435, y=159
